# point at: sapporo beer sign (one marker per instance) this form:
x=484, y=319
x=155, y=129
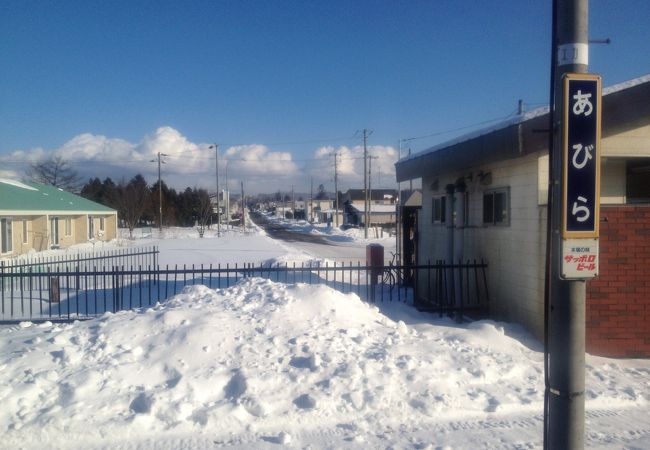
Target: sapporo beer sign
x=581, y=175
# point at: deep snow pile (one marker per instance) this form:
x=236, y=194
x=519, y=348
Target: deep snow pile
x=267, y=359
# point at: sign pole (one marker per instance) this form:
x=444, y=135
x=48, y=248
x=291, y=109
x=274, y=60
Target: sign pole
x=565, y=423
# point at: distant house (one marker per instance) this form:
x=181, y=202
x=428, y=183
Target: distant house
x=324, y=211
x=378, y=196
x=484, y=196
x=382, y=207
x=380, y=215
x=39, y=217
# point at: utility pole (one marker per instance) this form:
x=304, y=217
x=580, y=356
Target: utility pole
x=159, y=159
x=311, y=200
x=227, y=199
x=398, y=214
x=365, y=181
x=336, y=189
x=368, y=211
x=216, y=151
x=243, y=206
x=565, y=334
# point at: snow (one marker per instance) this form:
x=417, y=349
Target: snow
x=17, y=184
x=382, y=209
x=517, y=119
x=626, y=84
x=267, y=365
x=336, y=234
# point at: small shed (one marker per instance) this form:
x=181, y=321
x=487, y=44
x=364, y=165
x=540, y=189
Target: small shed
x=484, y=196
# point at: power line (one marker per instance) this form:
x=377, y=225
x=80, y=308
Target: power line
x=451, y=130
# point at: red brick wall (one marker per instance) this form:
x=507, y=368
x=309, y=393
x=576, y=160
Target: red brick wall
x=618, y=301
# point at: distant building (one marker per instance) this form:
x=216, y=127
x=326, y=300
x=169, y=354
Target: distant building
x=38, y=217
x=382, y=207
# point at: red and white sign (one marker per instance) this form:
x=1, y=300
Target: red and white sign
x=579, y=258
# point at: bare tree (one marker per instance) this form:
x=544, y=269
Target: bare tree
x=131, y=201
x=56, y=171
x=205, y=210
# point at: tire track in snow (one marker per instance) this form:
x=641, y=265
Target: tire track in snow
x=624, y=428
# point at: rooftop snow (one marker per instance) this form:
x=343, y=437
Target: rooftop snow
x=17, y=184
x=519, y=119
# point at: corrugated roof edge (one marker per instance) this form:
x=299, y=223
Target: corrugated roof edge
x=518, y=119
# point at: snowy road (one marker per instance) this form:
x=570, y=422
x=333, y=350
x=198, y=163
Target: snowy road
x=321, y=246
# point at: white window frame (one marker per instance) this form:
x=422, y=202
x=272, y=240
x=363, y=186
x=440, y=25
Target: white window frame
x=493, y=193
x=55, y=234
x=91, y=228
x=6, y=235
x=68, y=227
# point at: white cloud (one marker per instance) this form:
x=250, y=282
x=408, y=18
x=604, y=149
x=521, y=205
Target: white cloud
x=350, y=166
x=186, y=163
x=90, y=147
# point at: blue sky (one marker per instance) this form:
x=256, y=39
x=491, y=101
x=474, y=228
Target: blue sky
x=280, y=85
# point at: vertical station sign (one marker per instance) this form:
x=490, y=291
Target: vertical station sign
x=581, y=175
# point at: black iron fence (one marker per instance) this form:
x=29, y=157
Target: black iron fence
x=460, y=287
x=77, y=293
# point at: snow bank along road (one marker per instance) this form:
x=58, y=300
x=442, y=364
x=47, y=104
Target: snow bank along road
x=332, y=247
x=265, y=365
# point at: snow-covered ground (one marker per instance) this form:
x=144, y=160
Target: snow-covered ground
x=375, y=234
x=269, y=365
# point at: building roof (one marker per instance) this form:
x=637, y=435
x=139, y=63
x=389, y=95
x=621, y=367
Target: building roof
x=377, y=194
x=625, y=106
x=30, y=197
x=375, y=209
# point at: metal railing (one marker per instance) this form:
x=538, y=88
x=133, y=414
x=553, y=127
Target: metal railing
x=73, y=293
x=460, y=288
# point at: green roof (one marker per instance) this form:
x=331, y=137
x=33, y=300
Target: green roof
x=27, y=196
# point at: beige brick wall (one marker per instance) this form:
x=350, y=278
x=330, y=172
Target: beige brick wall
x=513, y=252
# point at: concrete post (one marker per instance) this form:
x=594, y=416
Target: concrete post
x=566, y=315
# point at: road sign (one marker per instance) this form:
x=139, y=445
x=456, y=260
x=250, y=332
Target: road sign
x=581, y=163
x=581, y=174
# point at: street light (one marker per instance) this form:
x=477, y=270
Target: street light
x=216, y=150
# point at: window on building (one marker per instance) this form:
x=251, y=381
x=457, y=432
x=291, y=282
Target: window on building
x=101, y=224
x=68, y=226
x=25, y=236
x=54, y=232
x=91, y=228
x=438, y=209
x=637, y=186
x=495, y=207
x=6, y=236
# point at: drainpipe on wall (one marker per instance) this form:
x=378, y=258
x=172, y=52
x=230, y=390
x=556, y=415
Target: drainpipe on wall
x=459, y=233
x=449, y=258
